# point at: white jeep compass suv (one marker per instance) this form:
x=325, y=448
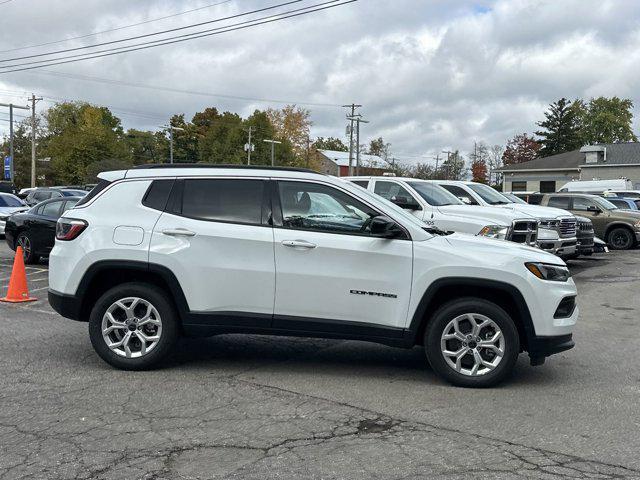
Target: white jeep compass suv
x=160, y=251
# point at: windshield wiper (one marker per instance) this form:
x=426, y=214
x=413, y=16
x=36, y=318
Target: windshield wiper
x=436, y=231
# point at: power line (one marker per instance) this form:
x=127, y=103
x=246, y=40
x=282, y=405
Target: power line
x=231, y=17
x=125, y=83
x=147, y=45
x=5, y=1
x=114, y=29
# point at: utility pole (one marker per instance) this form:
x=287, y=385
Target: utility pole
x=358, y=120
x=171, y=129
x=448, y=152
x=12, y=174
x=437, y=157
x=273, y=156
x=33, y=139
x=351, y=116
x=308, y=150
x=249, y=146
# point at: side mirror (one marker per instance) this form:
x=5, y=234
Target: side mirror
x=383, y=227
x=593, y=208
x=406, y=203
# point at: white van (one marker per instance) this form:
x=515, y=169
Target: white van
x=598, y=186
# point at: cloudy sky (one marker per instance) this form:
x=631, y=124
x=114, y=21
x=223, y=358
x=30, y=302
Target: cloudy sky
x=430, y=74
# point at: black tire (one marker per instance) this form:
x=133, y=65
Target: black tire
x=451, y=310
x=621, y=238
x=169, y=320
x=29, y=256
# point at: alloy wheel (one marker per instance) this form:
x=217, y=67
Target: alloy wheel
x=472, y=344
x=25, y=243
x=131, y=327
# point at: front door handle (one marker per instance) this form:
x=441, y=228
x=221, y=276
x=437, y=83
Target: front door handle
x=298, y=244
x=176, y=232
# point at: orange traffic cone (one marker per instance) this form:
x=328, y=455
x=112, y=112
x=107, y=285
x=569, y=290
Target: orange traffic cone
x=18, y=290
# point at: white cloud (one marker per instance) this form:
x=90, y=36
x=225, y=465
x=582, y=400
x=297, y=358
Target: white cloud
x=430, y=74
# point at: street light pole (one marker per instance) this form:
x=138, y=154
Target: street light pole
x=171, y=129
x=11, y=106
x=272, y=142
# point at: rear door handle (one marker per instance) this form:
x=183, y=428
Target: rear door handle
x=298, y=244
x=175, y=232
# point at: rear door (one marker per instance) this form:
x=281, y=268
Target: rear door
x=330, y=272
x=215, y=237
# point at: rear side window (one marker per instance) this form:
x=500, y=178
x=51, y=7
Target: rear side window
x=42, y=195
x=102, y=184
x=224, y=200
x=361, y=183
x=559, y=202
x=158, y=194
x=51, y=209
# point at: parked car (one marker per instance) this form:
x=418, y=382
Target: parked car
x=8, y=187
x=514, y=198
x=9, y=204
x=200, y=250
x=619, y=228
x=436, y=207
x=41, y=194
x=532, y=198
x=624, y=203
x=633, y=194
x=35, y=230
x=586, y=237
x=557, y=228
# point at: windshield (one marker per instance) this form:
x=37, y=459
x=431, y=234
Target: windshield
x=435, y=195
x=606, y=204
x=10, y=201
x=489, y=195
x=514, y=198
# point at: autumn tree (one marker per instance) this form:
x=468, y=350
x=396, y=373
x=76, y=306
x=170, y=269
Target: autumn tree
x=521, y=148
x=292, y=124
x=330, y=143
x=561, y=129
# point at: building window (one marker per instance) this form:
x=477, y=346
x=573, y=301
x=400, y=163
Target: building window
x=548, y=186
x=518, y=186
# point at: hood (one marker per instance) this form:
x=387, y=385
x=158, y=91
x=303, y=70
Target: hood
x=497, y=215
x=481, y=250
x=537, y=211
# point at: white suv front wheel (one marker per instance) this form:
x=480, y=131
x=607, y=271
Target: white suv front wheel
x=471, y=342
x=133, y=326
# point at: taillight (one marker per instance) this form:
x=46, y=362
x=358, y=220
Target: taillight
x=69, y=228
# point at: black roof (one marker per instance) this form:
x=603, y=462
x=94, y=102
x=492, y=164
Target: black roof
x=221, y=166
x=626, y=153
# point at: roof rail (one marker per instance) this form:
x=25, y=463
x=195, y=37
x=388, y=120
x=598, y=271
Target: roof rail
x=217, y=165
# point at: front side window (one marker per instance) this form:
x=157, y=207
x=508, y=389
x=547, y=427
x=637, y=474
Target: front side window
x=311, y=206
x=461, y=194
x=40, y=196
x=223, y=200
x=488, y=194
x=434, y=195
x=559, y=202
x=393, y=191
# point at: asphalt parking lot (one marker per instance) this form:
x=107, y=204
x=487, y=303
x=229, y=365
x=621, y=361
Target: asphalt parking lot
x=257, y=407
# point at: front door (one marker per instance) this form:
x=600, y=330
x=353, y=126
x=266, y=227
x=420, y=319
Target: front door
x=215, y=238
x=329, y=268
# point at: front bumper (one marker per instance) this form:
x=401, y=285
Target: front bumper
x=560, y=247
x=542, y=347
x=66, y=305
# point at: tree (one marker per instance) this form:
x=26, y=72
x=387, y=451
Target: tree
x=292, y=124
x=330, y=143
x=561, y=128
x=495, y=162
x=378, y=147
x=423, y=171
x=521, y=148
x=453, y=168
x=606, y=120
x=145, y=147
x=79, y=134
x=479, y=158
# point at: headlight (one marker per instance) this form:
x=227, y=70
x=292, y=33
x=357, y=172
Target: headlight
x=546, y=271
x=494, y=231
x=546, y=234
